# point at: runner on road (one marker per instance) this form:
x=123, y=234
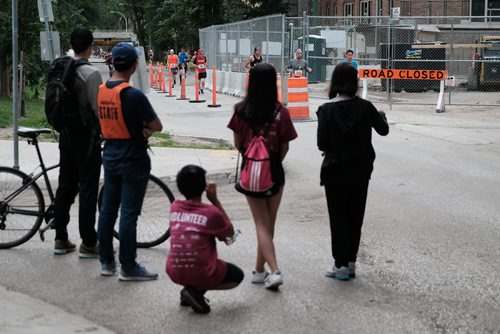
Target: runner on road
x=254, y=59
x=172, y=64
x=183, y=60
x=200, y=62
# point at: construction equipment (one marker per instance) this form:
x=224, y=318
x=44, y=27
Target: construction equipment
x=485, y=70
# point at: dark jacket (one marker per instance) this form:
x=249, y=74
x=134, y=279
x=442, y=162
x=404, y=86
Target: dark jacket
x=345, y=135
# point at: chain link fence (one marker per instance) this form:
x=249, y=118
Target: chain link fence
x=228, y=46
x=467, y=47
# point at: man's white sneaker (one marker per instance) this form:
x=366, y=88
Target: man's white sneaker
x=259, y=278
x=274, y=280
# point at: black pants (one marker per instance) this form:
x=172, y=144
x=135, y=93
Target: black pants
x=346, y=208
x=78, y=174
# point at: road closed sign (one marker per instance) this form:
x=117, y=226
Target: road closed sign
x=368, y=73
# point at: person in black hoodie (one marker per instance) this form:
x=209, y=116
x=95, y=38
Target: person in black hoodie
x=344, y=136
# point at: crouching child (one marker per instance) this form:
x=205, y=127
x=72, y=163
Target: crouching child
x=194, y=225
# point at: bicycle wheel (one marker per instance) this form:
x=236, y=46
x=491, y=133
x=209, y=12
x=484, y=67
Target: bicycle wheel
x=21, y=211
x=152, y=224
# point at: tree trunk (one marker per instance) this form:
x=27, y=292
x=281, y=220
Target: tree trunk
x=5, y=80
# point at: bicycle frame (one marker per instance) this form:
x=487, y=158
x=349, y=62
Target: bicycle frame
x=33, y=179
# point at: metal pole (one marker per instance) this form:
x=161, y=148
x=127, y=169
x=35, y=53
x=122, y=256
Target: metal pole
x=124, y=17
x=304, y=31
x=47, y=30
x=450, y=59
x=267, y=40
x=15, y=82
x=291, y=40
x=282, y=44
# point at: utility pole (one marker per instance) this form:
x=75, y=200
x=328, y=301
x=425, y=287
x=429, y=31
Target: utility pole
x=15, y=82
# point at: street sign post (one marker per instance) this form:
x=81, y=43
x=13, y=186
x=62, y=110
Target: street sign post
x=45, y=11
x=50, y=47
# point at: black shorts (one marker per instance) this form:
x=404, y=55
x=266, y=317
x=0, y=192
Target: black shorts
x=233, y=274
x=174, y=70
x=202, y=75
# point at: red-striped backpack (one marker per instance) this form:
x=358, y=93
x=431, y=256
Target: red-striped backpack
x=256, y=176
x=256, y=172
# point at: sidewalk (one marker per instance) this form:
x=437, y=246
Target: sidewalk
x=20, y=314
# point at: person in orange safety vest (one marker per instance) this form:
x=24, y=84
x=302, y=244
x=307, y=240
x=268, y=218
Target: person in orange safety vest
x=127, y=120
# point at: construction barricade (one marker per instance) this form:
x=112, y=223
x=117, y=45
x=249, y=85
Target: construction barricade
x=196, y=89
x=182, y=78
x=298, y=97
x=214, y=91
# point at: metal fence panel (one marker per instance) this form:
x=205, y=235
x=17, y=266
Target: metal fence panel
x=467, y=47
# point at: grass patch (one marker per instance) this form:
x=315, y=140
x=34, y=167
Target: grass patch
x=165, y=139
x=35, y=114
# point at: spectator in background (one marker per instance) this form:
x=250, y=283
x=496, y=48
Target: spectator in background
x=298, y=64
x=349, y=54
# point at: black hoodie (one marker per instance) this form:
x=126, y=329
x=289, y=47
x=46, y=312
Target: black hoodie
x=345, y=135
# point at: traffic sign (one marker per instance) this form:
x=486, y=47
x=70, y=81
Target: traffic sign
x=402, y=74
x=46, y=43
x=45, y=10
x=396, y=12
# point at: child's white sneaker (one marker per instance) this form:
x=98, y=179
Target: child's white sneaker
x=259, y=278
x=274, y=280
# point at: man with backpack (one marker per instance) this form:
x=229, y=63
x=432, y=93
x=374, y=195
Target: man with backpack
x=75, y=109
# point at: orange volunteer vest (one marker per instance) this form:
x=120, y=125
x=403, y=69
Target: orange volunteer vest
x=110, y=113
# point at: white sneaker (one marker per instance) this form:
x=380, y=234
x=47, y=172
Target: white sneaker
x=259, y=278
x=274, y=280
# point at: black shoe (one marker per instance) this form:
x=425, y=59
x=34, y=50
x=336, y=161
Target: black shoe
x=196, y=299
x=184, y=302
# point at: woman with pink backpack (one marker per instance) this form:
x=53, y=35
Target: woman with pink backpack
x=262, y=129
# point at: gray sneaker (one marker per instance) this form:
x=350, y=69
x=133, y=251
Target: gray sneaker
x=341, y=273
x=352, y=269
x=139, y=273
x=108, y=269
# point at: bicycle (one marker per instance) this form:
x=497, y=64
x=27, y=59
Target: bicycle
x=22, y=204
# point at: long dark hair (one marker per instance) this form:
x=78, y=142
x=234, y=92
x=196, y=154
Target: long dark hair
x=258, y=106
x=344, y=80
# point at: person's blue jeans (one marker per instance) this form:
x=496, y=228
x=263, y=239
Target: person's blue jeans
x=127, y=191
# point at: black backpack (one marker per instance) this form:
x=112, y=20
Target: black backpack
x=61, y=103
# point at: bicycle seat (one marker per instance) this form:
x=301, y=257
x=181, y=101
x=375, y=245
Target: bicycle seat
x=31, y=132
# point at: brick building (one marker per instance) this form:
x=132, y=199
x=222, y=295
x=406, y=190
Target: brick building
x=407, y=7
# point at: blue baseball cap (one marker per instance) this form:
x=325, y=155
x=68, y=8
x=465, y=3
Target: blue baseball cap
x=124, y=53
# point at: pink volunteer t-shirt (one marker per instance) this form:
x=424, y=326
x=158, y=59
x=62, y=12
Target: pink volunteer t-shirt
x=193, y=253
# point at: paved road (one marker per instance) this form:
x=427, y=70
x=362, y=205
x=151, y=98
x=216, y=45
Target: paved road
x=428, y=259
